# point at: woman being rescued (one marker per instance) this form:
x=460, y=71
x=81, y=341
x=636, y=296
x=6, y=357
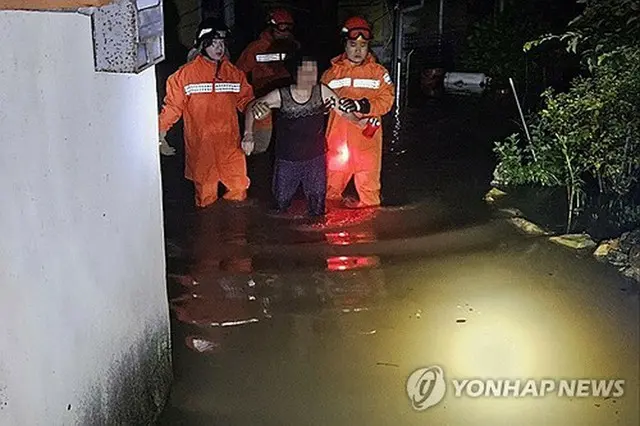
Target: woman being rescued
x=300, y=136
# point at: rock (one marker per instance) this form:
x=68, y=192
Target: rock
x=634, y=256
x=606, y=247
x=623, y=237
x=527, y=226
x=630, y=239
x=493, y=195
x=617, y=257
x=630, y=272
x=575, y=241
x=634, y=237
x=510, y=212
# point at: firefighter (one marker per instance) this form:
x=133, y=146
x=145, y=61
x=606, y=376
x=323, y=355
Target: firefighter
x=264, y=63
x=365, y=89
x=207, y=93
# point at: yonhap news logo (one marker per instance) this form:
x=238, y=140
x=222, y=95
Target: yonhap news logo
x=427, y=386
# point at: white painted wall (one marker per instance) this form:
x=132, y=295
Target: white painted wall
x=83, y=304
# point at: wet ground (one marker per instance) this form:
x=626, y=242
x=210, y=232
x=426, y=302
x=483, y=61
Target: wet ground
x=277, y=321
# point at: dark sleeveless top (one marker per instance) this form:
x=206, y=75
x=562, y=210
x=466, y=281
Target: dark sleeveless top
x=300, y=129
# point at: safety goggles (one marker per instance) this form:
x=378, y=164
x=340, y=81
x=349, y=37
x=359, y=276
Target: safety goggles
x=213, y=34
x=356, y=33
x=283, y=27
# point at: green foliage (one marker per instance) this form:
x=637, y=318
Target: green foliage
x=493, y=46
x=601, y=32
x=517, y=166
x=588, y=137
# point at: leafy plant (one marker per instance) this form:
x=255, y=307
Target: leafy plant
x=604, y=29
x=588, y=138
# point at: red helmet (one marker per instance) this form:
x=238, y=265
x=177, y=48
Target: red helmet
x=280, y=19
x=357, y=27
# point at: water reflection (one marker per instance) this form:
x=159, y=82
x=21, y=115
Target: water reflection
x=346, y=238
x=223, y=294
x=338, y=218
x=344, y=263
x=220, y=243
x=357, y=287
x=218, y=293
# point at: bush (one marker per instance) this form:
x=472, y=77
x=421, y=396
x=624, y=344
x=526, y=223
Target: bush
x=588, y=139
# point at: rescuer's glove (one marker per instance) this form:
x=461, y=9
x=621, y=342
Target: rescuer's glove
x=352, y=105
x=165, y=148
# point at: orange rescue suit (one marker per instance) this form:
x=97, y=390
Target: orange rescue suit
x=207, y=96
x=263, y=62
x=349, y=152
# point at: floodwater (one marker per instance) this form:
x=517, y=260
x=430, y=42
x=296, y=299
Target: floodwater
x=279, y=321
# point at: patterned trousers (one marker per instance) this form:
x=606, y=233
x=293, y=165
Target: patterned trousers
x=312, y=174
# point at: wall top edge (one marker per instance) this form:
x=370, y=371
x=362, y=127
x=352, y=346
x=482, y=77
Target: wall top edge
x=51, y=5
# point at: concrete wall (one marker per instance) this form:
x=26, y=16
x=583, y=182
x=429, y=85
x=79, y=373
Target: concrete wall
x=84, y=336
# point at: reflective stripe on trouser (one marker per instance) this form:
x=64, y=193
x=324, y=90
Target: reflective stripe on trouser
x=312, y=174
x=233, y=176
x=367, y=184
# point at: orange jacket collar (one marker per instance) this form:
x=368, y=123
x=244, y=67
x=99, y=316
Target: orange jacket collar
x=203, y=59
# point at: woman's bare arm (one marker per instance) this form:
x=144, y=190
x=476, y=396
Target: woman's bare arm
x=331, y=101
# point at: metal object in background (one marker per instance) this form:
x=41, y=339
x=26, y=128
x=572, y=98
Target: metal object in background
x=397, y=74
x=465, y=83
x=397, y=40
x=524, y=123
x=407, y=74
x=400, y=9
x=396, y=115
x=441, y=18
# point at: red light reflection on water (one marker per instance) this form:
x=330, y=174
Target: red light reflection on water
x=345, y=238
x=345, y=263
